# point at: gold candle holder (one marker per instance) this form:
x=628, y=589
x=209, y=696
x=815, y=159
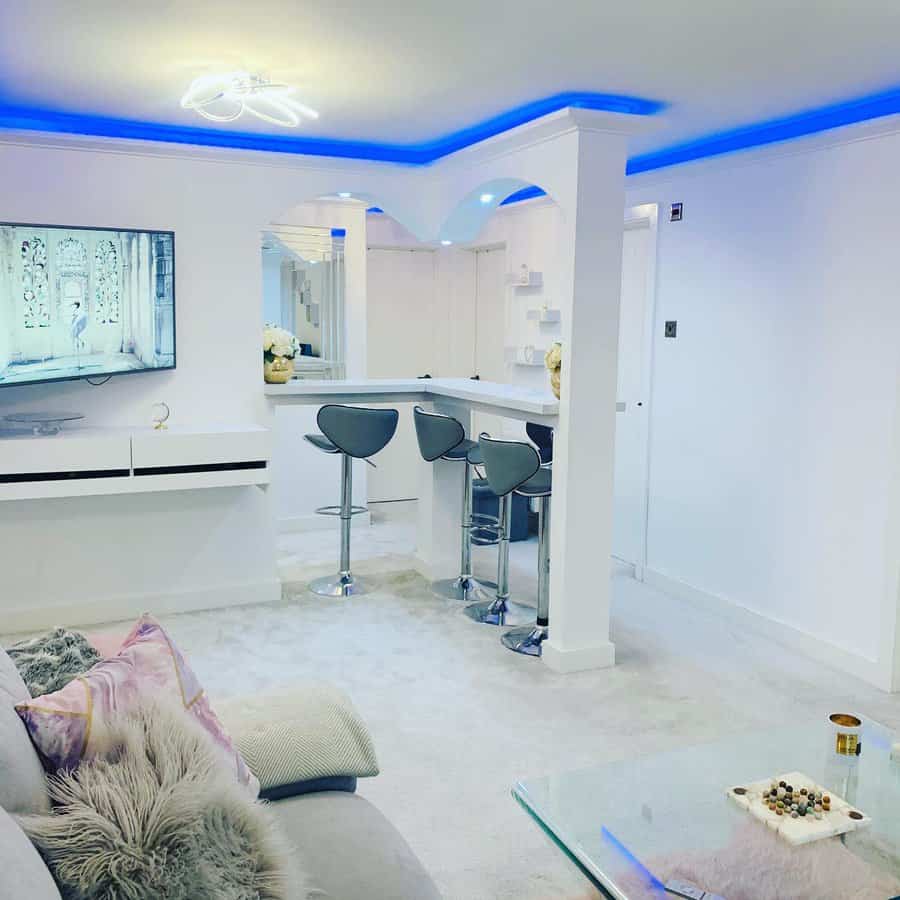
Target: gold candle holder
x=846, y=729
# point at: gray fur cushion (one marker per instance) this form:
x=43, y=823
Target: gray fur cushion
x=157, y=815
x=49, y=662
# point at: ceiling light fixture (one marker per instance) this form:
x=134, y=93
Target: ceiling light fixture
x=487, y=198
x=225, y=96
x=446, y=243
x=345, y=195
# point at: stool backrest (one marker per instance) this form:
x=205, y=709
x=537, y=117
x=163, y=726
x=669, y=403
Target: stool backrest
x=437, y=434
x=542, y=436
x=507, y=464
x=356, y=431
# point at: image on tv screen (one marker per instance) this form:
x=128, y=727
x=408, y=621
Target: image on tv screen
x=84, y=302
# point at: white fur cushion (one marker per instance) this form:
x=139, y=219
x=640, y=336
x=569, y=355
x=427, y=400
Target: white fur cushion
x=306, y=732
x=155, y=814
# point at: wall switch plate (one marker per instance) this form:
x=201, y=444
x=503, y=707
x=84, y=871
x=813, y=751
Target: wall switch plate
x=671, y=329
x=676, y=212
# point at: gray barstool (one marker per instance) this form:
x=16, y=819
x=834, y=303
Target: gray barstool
x=355, y=433
x=509, y=466
x=443, y=437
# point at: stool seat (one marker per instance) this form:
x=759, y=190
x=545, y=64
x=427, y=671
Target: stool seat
x=465, y=449
x=539, y=485
x=322, y=442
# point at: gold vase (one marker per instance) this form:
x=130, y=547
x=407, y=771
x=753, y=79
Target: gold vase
x=279, y=371
x=554, y=381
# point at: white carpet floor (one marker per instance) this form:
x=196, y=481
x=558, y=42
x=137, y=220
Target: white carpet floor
x=457, y=718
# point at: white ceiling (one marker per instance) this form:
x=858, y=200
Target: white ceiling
x=410, y=70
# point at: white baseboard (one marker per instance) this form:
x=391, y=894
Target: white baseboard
x=315, y=522
x=821, y=650
x=579, y=660
x=128, y=607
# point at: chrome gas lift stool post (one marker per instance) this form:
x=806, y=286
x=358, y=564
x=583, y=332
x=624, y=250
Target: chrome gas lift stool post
x=443, y=437
x=528, y=639
x=508, y=466
x=355, y=433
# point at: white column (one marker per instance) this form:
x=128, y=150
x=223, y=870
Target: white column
x=580, y=536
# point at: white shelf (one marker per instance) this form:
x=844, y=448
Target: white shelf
x=526, y=356
x=543, y=316
x=82, y=462
x=525, y=278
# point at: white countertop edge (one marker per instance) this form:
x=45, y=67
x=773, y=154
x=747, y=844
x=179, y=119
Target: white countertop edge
x=486, y=392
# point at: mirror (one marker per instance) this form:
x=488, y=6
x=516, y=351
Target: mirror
x=303, y=291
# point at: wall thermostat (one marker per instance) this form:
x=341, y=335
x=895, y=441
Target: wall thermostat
x=676, y=212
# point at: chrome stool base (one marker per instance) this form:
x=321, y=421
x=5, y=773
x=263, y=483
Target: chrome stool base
x=467, y=590
x=499, y=612
x=340, y=585
x=526, y=640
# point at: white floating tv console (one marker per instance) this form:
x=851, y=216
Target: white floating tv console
x=86, y=461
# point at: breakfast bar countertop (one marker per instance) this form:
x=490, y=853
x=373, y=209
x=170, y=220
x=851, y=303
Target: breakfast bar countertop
x=482, y=393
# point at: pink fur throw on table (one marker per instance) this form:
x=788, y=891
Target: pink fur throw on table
x=148, y=664
x=757, y=865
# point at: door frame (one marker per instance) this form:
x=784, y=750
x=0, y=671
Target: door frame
x=646, y=216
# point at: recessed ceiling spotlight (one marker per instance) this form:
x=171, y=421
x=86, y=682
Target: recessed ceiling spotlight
x=345, y=195
x=487, y=198
x=446, y=243
x=225, y=96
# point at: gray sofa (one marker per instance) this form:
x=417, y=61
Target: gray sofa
x=348, y=849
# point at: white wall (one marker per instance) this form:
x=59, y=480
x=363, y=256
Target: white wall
x=773, y=441
x=72, y=561
x=775, y=414
x=529, y=233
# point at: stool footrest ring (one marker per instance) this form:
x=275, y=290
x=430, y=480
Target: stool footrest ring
x=336, y=510
x=482, y=520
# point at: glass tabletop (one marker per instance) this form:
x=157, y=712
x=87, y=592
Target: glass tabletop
x=635, y=825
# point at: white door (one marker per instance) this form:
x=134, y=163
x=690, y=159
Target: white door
x=400, y=310
x=490, y=329
x=632, y=413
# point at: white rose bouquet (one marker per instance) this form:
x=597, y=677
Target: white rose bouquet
x=279, y=342
x=553, y=362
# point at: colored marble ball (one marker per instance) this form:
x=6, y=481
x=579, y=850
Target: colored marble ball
x=783, y=800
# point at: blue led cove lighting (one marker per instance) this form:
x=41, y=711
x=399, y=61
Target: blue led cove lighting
x=528, y=193
x=35, y=119
x=772, y=131
x=802, y=124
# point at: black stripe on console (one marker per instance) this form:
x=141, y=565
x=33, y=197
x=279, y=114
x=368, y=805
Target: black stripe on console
x=23, y=477
x=202, y=467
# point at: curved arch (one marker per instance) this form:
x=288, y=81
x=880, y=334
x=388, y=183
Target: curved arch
x=472, y=212
x=403, y=204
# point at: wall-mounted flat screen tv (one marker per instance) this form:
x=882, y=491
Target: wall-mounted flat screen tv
x=84, y=302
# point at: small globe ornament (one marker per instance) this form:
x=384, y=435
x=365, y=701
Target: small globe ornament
x=161, y=413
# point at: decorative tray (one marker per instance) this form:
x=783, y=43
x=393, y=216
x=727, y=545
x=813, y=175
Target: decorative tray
x=799, y=810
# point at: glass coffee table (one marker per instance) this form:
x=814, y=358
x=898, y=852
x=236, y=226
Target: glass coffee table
x=636, y=825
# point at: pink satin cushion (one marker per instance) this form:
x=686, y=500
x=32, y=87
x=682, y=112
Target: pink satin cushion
x=61, y=724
